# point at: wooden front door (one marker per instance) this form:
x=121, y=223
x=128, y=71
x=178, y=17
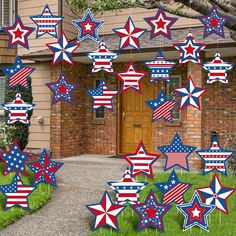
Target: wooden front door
x=136, y=118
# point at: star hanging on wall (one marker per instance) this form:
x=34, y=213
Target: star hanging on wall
x=176, y=154
x=160, y=24
x=215, y=194
x=45, y=169
x=151, y=212
x=62, y=50
x=189, y=49
x=162, y=107
x=173, y=190
x=217, y=70
x=189, y=94
x=88, y=27
x=46, y=22
x=195, y=213
x=18, y=34
x=62, y=90
x=131, y=78
x=214, y=23
x=129, y=35
x=105, y=212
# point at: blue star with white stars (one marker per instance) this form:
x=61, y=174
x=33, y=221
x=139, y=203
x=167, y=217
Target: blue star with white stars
x=162, y=107
x=88, y=27
x=15, y=159
x=62, y=90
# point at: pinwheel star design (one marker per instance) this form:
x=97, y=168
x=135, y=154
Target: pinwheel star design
x=45, y=169
x=160, y=24
x=162, y=107
x=176, y=154
x=62, y=50
x=151, y=213
x=190, y=95
x=129, y=35
x=195, y=213
x=88, y=27
x=106, y=212
x=215, y=194
x=189, y=49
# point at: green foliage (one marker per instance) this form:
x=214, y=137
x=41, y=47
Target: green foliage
x=7, y=134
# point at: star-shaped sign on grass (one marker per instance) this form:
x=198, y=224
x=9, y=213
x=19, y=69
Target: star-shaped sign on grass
x=46, y=22
x=216, y=194
x=162, y=107
x=190, y=94
x=151, y=212
x=88, y=27
x=62, y=90
x=173, y=190
x=214, y=23
x=18, y=34
x=129, y=35
x=105, y=212
x=141, y=161
x=131, y=78
x=189, y=49
x=14, y=160
x=62, y=50
x=45, y=169
x=176, y=154
x=195, y=213
x=160, y=24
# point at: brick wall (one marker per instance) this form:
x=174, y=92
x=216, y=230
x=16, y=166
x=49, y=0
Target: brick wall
x=6, y=55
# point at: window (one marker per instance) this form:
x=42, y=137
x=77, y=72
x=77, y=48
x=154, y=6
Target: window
x=7, y=12
x=100, y=112
x=2, y=95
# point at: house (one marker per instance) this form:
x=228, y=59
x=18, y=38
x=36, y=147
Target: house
x=72, y=130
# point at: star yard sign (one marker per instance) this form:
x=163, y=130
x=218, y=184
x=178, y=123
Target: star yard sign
x=88, y=27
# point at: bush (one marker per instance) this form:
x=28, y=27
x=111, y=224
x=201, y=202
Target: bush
x=7, y=134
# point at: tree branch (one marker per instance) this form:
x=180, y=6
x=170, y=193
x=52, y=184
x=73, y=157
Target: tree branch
x=225, y=6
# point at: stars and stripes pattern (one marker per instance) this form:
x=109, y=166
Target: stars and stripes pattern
x=160, y=68
x=18, y=110
x=17, y=74
x=127, y=189
x=102, y=58
x=217, y=70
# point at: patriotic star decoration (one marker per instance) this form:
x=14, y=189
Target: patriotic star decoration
x=127, y=189
x=214, y=23
x=129, y=35
x=102, y=58
x=46, y=22
x=217, y=70
x=45, y=169
x=62, y=50
x=62, y=90
x=102, y=96
x=216, y=194
x=141, y=162
x=18, y=110
x=17, y=74
x=189, y=50
x=151, y=212
x=88, y=27
x=160, y=68
x=162, y=107
x=215, y=158
x=131, y=78
x=176, y=154
x=195, y=213
x=190, y=95
x=105, y=212
x=17, y=193
x=173, y=190
x=18, y=34
x=160, y=24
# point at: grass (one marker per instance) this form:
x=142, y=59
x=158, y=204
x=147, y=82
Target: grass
x=219, y=223
x=37, y=199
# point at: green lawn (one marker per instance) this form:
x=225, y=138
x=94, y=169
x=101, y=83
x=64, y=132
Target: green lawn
x=38, y=198
x=219, y=223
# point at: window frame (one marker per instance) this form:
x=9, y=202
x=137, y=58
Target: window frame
x=12, y=12
x=2, y=111
x=95, y=112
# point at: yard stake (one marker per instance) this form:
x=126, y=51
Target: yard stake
x=220, y=217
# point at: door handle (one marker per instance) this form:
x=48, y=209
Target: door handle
x=123, y=117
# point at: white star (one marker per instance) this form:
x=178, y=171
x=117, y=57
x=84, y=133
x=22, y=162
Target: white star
x=195, y=212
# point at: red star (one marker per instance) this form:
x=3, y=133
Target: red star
x=214, y=22
x=151, y=212
x=88, y=26
x=62, y=89
x=189, y=49
x=196, y=212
